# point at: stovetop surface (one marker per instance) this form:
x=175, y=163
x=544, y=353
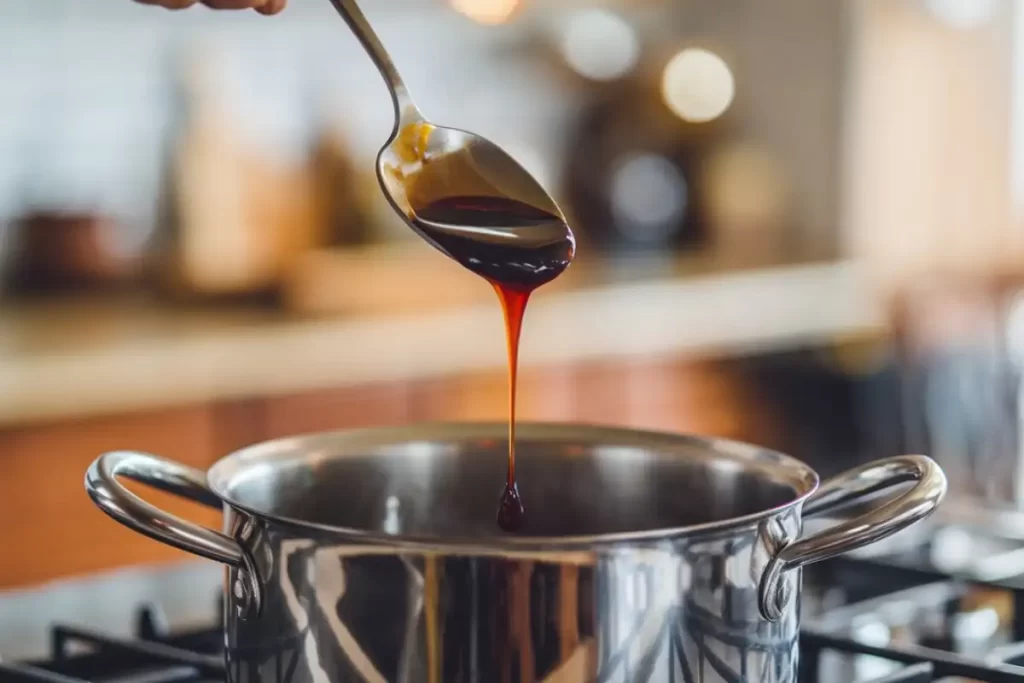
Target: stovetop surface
x=949, y=607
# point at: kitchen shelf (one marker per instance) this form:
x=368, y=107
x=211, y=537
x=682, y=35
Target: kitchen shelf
x=76, y=360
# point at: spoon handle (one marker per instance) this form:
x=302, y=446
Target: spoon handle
x=405, y=109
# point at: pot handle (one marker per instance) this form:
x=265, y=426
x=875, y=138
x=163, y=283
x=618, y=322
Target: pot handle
x=886, y=519
x=125, y=507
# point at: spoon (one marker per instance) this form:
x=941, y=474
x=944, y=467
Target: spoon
x=462, y=193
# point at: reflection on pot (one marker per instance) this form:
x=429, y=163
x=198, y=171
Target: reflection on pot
x=683, y=611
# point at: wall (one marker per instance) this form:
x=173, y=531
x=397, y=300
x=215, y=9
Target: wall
x=86, y=88
x=928, y=175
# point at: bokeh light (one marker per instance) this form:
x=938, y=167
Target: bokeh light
x=649, y=196
x=963, y=14
x=697, y=85
x=600, y=45
x=488, y=12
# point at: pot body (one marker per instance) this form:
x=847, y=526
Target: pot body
x=373, y=555
x=683, y=610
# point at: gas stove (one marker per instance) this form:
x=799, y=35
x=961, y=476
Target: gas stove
x=943, y=631
x=946, y=605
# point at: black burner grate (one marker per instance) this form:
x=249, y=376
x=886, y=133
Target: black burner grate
x=925, y=664
x=85, y=656
x=890, y=580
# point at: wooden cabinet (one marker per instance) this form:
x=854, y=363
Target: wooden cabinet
x=50, y=528
x=652, y=394
x=325, y=410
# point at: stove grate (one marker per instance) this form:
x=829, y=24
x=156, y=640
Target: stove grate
x=942, y=664
x=153, y=656
x=84, y=656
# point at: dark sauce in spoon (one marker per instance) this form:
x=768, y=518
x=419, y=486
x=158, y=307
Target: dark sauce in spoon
x=517, y=248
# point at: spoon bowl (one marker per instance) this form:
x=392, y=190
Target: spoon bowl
x=475, y=203
x=462, y=193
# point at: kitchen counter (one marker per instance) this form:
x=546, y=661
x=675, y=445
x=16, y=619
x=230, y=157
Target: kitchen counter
x=76, y=360
x=185, y=593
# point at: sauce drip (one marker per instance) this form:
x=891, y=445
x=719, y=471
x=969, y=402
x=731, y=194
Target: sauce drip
x=513, y=303
x=517, y=248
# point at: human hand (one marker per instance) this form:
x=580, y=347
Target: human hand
x=261, y=6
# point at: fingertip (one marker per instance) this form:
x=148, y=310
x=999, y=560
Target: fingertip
x=271, y=7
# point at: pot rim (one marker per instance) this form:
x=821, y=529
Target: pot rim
x=796, y=473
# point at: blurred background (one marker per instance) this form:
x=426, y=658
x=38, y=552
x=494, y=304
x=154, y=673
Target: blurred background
x=800, y=224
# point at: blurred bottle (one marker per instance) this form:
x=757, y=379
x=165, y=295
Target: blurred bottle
x=749, y=207
x=232, y=220
x=66, y=236
x=340, y=189
x=62, y=251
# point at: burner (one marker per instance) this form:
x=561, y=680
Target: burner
x=83, y=656
x=928, y=663
x=919, y=673
x=907, y=620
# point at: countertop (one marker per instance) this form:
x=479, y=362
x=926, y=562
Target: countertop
x=78, y=359
x=185, y=593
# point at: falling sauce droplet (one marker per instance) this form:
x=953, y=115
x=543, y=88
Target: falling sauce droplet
x=510, y=509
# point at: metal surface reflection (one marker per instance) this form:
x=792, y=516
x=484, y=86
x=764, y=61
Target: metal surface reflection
x=683, y=610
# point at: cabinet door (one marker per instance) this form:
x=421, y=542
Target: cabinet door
x=657, y=393
x=664, y=394
x=49, y=526
x=329, y=409
x=475, y=397
x=545, y=394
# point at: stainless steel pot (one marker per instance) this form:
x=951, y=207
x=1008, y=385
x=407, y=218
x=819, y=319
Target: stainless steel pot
x=372, y=555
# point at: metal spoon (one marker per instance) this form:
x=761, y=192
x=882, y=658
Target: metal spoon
x=461, y=192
